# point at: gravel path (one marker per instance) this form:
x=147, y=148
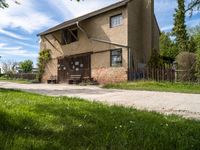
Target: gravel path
x=187, y=105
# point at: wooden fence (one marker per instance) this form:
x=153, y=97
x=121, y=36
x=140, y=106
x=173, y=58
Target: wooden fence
x=150, y=73
x=26, y=76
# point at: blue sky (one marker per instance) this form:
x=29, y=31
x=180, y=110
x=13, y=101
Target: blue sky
x=19, y=24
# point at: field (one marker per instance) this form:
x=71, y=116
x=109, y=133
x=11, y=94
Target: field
x=31, y=121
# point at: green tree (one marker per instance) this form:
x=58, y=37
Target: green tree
x=195, y=33
x=197, y=69
x=192, y=45
x=3, y=4
x=167, y=46
x=26, y=66
x=44, y=58
x=179, y=30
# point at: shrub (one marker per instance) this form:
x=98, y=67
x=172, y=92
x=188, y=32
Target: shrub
x=186, y=66
x=155, y=60
x=197, y=69
x=26, y=66
x=44, y=58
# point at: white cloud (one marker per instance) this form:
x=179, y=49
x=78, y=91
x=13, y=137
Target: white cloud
x=24, y=16
x=194, y=22
x=165, y=6
x=6, y=50
x=79, y=8
x=2, y=45
x=19, y=52
x=167, y=28
x=189, y=23
x=13, y=35
x=27, y=44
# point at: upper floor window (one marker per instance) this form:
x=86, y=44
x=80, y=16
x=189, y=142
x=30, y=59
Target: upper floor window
x=116, y=58
x=69, y=36
x=116, y=20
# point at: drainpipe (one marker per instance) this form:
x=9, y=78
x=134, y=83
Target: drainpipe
x=129, y=63
x=77, y=23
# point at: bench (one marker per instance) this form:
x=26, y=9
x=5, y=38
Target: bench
x=75, y=79
x=52, y=80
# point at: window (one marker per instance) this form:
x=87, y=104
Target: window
x=116, y=20
x=116, y=58
x=69, y=36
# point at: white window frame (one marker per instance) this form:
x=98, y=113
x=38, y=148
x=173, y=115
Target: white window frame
x=116, y=20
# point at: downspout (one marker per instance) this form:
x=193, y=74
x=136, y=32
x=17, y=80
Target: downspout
x=77, y=23
x=129, y=63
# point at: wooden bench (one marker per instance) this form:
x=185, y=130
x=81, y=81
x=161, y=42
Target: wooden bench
x=52, y=80
x=75, y=79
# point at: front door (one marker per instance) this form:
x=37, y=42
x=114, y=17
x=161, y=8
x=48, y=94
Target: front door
x=74, y=66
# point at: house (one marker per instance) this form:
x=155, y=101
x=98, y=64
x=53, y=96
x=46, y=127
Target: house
x=103, y=45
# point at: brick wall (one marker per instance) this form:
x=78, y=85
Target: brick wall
x=109, y=75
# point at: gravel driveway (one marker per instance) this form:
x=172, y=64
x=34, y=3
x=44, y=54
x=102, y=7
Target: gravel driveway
x=187, y=105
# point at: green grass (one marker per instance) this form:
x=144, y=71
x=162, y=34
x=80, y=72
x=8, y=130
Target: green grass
x=21, y=81
x=157, y=86
x=35, y=122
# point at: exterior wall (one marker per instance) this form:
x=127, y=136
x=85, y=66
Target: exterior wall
x=156, y=36
x=135, y=30
x=103, y=73
x=51, y=68
x=141, y=30
x=97, y=27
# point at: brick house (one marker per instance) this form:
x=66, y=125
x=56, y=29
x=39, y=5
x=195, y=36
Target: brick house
x=103, y=45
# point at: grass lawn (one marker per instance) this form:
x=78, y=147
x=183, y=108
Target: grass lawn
x=35, y=122
x=157, y=86
x=21, y=81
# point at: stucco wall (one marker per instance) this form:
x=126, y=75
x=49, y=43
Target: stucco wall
x=135, y=30
x=156, y=36
x=103, y=73
x=141, y=30
x=99, y=28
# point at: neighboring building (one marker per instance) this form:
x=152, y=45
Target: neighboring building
x=103, y=45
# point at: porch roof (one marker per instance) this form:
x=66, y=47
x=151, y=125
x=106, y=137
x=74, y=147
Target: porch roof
x=84, y=17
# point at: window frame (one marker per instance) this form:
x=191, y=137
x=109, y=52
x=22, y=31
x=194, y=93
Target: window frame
x=111, y=56
x=120, y=14
x=64, y=36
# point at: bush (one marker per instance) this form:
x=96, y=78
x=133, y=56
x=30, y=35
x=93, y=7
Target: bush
x=44, y=58
x=155, y=60
x=186, y=66
x=26, y=66
x=197, y=69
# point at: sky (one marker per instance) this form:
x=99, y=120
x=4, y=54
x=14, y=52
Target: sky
x=19, y=24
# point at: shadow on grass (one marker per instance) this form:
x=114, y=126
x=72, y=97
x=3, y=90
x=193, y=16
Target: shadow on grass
x=116, y=128
x=67, y=123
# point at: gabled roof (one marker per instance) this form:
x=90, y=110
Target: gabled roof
x=84, y=17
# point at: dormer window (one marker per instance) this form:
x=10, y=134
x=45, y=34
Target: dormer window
x=116, y=20
x=69, y=36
